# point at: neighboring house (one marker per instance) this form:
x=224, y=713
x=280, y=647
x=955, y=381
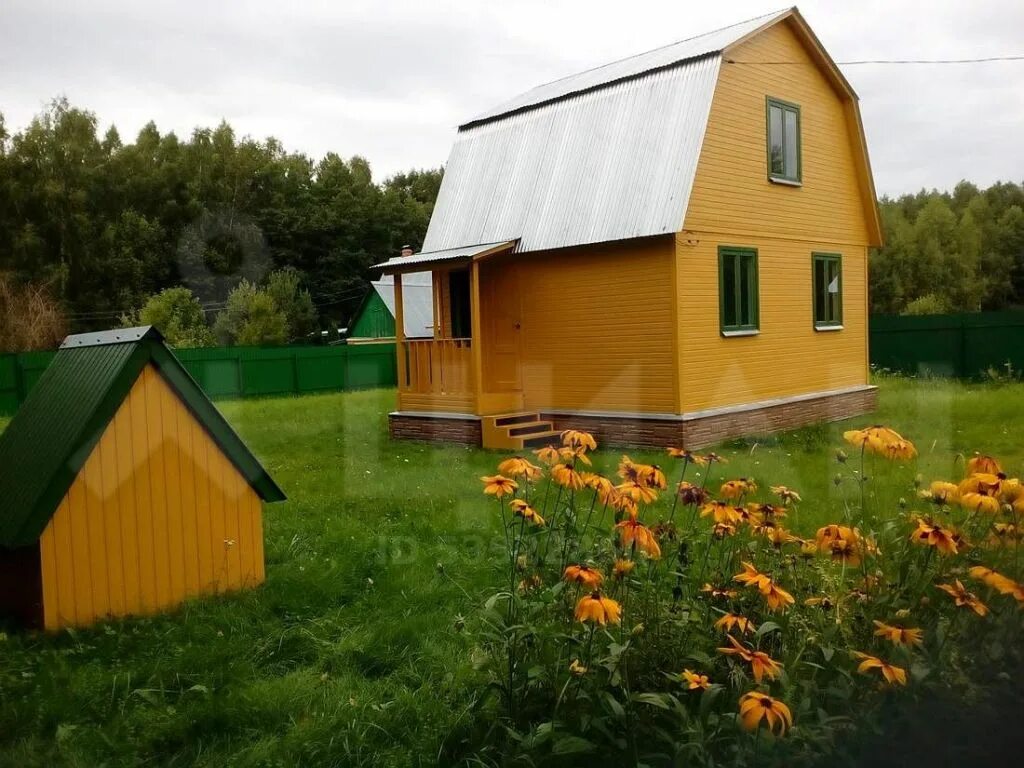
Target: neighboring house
x=669, y=249
x=123, y=490
x=374, y=321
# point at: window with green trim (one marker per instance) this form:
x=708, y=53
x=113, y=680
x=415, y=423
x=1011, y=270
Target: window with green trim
x=828, y=289
x=737, y=290
x=783, y=141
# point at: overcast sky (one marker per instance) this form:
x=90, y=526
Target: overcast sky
x=391, y=79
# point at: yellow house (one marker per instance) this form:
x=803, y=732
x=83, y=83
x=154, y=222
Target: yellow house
x=671, y=248
x=123, y=491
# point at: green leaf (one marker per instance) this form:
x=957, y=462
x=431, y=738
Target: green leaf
x=659, y=700
x=768, y=626
x=572, y=745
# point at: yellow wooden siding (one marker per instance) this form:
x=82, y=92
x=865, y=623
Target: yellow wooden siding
x=731, y=191
x=788, y=356
x=597, y=327
x=157, y=514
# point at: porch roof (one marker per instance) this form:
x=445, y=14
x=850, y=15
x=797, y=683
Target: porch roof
x=417, y=262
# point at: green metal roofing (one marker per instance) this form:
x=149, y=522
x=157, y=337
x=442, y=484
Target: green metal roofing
x=51, y=436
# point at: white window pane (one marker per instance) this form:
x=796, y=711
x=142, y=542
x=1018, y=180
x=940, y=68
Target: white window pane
x=791, y=133
x=775, y=144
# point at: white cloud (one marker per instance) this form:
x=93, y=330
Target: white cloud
x=391, y=80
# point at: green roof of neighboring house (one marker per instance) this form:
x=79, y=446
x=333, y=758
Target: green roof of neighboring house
x=51, y=436
x=373, y=319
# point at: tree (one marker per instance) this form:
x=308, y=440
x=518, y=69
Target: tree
x=284, y=287
x=251, y=318
x=178, y=315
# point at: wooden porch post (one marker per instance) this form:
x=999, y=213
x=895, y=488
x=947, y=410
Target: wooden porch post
x=477, y=333
x=399, y=337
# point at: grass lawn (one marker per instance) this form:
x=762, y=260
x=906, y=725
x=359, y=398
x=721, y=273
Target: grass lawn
x=353, y=653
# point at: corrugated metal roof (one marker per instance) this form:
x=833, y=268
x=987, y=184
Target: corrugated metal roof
x=432, y=256
x=417, y=302
x=63, y=417
x=607, y=164
x=607, y=154
x=674, y=53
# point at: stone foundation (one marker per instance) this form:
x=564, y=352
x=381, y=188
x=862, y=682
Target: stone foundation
x=695, y=430
x=435, y=428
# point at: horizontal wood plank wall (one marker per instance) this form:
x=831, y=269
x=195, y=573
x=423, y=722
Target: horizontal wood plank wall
x=731, y=191
x=788, y=356
x=597, y=327
x=156, y=515
x=734, y=203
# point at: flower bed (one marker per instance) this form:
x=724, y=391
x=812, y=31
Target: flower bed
x=643, y=623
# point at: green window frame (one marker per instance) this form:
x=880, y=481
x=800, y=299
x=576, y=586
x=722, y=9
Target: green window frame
x=782, y=131
x=738, y=301
x=827, y=288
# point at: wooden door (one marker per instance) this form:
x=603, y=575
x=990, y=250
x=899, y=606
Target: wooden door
x=500, y=310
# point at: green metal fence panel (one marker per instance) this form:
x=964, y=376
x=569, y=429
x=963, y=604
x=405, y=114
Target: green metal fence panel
x=962, y=345
x=371, y=364
x=229, y=372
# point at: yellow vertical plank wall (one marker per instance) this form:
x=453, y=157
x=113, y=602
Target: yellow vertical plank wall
x=733, y=203
x=157, y=514
x=596, y=327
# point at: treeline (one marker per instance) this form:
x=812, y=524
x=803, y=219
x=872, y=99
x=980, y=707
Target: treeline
x=104, y=225
x=959, y=251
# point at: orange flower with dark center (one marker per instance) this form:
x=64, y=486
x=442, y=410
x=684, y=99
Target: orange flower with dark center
x=721, y=512
x=786, y=495
x=686, y=455
x=575, y=438
x=691, y=494
x=623, y=568
x=963, y=598
x=776, y=597
x=751, y=577
x=892, y=675
x=525, y=511
x=932, y=534
x=761, y=664
x=882, y=441
x=941, y=492
x=899, y=635
x=629, y=470
x=517, y=466
x=1004, y=585
x=583, y=574
x=729, y=621
x=499, y=486
x=599, y=483
x=712, y=456
x=776, y=535
x=766, y=511
x=982, y=482
x=982, y=464
x=598, y=609
x=737, y=489
x=548, y=454
x=638, y=492
x=567, y=476
x=694, y=681
x=980, y=501
x=719, y=593
x=721, y=530
x=634, y=533
x=756, y=706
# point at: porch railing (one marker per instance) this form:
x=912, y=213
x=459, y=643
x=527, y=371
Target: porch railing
x=438, y=367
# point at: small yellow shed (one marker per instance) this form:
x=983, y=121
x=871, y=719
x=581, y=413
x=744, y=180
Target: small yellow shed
x=123, y=491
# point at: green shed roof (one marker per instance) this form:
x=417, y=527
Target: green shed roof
x=51, y=436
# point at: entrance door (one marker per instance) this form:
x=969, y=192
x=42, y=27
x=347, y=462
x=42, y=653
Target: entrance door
x=500, y=309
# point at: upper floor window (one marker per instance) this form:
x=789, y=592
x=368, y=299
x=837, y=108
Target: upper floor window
x=828, y=290
x=783, y=141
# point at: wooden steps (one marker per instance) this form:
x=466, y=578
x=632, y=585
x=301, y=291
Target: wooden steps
x=515, y=431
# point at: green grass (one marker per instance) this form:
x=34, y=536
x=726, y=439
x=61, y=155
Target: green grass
x=352, y=653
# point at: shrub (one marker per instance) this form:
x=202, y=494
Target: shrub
x=178, y=315
x=250, y=318
x=640, y=625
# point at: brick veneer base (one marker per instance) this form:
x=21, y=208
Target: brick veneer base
x=435, y=429
x=695, y=432
x=701, y=431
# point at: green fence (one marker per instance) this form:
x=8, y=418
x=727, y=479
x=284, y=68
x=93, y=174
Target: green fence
x=963, y=346
x=226, y=372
